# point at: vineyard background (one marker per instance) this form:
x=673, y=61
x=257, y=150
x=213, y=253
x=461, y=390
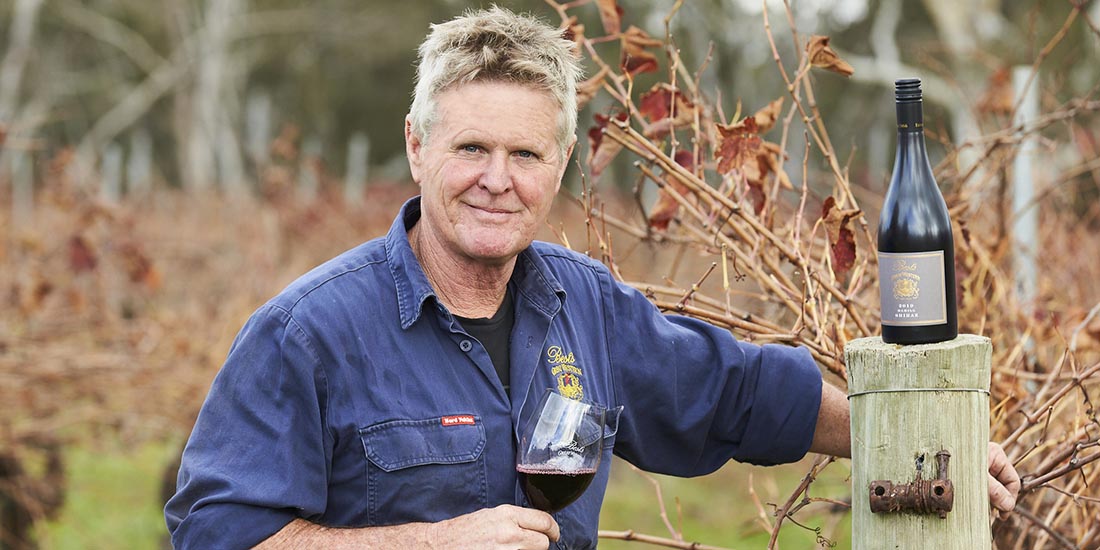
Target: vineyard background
x=163, y=173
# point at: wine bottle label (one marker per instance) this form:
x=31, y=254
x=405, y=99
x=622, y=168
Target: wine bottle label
x=911, y=288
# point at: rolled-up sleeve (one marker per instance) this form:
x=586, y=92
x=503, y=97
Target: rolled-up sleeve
x=694, y=397
x=258, y=455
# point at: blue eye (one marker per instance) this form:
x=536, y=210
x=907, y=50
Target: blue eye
x=470, y=148
x=526, y=154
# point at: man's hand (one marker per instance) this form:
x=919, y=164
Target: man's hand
x=1004, y=482
x=503, y=527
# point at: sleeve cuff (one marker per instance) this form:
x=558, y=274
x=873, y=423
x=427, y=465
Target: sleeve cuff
x=229, y=526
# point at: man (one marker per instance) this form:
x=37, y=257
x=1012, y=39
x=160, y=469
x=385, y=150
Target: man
x=375, y=402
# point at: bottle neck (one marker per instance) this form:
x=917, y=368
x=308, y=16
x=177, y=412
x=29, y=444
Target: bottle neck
x=910, y=116
x=910, y=130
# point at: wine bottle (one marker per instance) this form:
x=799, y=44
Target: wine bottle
x=916, y=250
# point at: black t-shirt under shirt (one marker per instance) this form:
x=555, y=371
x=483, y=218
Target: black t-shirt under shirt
x=495, y=333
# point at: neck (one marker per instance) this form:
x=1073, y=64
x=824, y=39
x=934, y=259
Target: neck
x=468, y=288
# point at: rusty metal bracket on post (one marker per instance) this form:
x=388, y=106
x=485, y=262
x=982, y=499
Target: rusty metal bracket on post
x=920, y=496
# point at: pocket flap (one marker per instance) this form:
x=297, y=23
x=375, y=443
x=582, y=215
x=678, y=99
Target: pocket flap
x=405, y=443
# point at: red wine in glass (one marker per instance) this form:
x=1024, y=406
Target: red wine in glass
x=551, y=490
x=560, y=448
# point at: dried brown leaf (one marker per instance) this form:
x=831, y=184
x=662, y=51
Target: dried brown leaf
x=611, y=14
x=31, y=301
x=738, y=144
x=657, y=105
x=81, y=256
x=756, y=195
x=589, y=88
x=602, y=152
x=573, y=30
x=766, y=117
x=666, y=207
x=842, y=244
x=821, y=55
x=635, y=58
x=998, y=97
x=139, y=268
x=769, y=162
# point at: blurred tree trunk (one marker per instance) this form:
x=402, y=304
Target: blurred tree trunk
x=20, y=43
x=965, y=28
x=21, y=37
x=213, y=150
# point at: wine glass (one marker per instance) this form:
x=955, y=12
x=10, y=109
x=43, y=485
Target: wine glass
x=560, y=449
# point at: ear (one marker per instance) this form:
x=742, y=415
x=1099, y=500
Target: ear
x=413, y=149
x=565, y=163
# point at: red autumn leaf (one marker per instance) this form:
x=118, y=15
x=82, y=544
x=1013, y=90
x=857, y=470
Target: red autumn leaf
x=81, y=255
x=738, y=144
x=666, y=207
x=657, y=103
x=821, y=55
x=635, y=59
x=757, y=195
x=611, y=14
x=685, y=159
x=666, y=109
x=601, y=153
x=842, y=244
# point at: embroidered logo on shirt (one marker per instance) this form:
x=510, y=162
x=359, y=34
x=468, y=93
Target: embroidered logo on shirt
x=564, y=368
x=457, y=419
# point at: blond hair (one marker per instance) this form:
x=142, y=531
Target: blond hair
x=496, y=45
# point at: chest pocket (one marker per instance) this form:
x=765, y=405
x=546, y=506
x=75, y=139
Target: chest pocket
x=423, y=470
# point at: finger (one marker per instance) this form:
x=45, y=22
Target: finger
x=999, y=496
x=536, y=520
x=996, y=453
x=533, y=540
x=1000, y=467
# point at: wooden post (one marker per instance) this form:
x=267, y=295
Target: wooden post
x=908, y=404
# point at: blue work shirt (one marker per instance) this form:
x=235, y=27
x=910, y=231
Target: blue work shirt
x=355, y=398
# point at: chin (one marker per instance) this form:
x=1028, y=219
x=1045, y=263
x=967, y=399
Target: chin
x=495, y=252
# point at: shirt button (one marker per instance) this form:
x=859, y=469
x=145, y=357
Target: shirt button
x=465, y=345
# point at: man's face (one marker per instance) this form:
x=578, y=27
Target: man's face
x=488, y=172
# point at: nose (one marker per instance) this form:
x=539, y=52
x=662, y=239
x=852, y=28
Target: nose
x=497, y=177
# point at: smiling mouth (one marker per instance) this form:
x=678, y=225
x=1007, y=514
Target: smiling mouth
x=490, y=210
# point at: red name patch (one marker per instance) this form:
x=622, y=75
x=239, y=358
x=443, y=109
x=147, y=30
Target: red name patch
x=457, y=420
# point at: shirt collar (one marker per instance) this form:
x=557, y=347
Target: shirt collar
x=408, y=277
x=533, y=278
x=537, y=282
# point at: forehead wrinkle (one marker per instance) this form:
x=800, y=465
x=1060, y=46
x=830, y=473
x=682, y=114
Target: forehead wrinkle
x=467, y=120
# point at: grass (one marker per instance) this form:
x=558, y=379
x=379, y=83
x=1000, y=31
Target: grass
x=112, y=500
x=113, y=503
x=718, y=509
